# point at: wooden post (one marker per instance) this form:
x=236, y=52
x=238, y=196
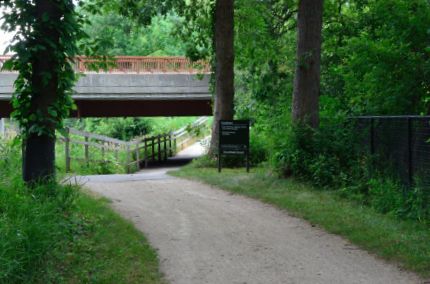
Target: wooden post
x=165, y=147
x=170, y=145
x=137, y=155
x=67, y=149
x=103, y=152
x=153, y=148
x=128, y=158
x=159, y=147
x=146, y=152
x=87, y=155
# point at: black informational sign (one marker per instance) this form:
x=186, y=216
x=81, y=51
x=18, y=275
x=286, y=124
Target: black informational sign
x=233, y=139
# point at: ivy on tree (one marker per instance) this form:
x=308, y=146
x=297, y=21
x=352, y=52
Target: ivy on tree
x=44, y=45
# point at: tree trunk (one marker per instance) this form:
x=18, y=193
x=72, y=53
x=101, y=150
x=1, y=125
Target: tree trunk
x=224, y=73
x=39, y=159
x=307, y=78
x=39, y=149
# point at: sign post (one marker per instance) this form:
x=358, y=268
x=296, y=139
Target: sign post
x=233, y=139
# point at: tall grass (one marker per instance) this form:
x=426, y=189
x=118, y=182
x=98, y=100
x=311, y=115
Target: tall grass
x=32, y=221
x=58, y=234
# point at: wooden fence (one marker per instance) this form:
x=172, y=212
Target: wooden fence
x=188, y=135
x=139, y=152
x=133, y=155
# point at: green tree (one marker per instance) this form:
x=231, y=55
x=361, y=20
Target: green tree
x=46, y=33
x=119, y=35
x=307, y=79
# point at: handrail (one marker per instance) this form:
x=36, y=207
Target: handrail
x=137, y=152
x=137, y=64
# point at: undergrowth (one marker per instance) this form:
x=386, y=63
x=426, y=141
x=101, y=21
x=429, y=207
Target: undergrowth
x=55, y=233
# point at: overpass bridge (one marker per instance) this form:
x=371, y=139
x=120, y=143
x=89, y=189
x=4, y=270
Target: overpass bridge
x=133, y=86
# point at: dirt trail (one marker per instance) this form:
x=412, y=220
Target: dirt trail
x=206, y=235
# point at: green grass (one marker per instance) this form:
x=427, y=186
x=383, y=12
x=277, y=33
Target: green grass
x=96, y=165
x=104, y=249
x=401, y=241
x=58, y=234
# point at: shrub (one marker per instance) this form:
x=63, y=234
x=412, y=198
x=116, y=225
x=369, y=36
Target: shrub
x=417, y=203
x=331, y=157
x=258, y=148
x=385, y=195
x=327, y=157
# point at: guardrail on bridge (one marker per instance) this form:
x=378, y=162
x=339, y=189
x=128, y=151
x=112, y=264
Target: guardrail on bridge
x=136, y=64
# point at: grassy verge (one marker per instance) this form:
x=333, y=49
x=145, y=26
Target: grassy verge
x=59, y=234
x=104, y=249
x=405, y=242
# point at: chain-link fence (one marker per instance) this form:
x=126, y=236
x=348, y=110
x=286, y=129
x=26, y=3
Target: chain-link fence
x=400, y=145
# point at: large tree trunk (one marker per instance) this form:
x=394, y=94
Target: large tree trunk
x=39, y=149
x=307, y=78
x=224, y=53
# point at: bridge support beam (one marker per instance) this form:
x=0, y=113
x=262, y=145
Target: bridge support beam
x=132, y=108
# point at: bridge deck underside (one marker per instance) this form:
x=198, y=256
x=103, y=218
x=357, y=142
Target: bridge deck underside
x=117, y=95
x=116, y=108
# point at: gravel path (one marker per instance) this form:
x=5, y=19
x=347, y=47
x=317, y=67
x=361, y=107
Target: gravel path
x=206, y=235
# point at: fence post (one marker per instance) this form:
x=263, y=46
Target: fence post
x=128, y=158
x=372, y=136
x=165, y=147
x=103, y=152
x=87, y=155
x=67, y=149
x=170, y=145
x=159, y=147
x=146, y=152
x=410, y=166
x=137, y=155
x=153, y=148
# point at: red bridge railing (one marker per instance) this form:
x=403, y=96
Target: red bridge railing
x=137, y=64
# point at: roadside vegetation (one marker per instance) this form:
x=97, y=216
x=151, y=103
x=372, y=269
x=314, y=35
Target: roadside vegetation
x=368, y=67
x=109, y=160
x=405, y=242
x=55, y=233
x=374, y=61
x=130, y=127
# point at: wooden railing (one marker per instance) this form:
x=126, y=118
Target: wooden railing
x=188, y=135
x=132, y=155
x=87, y=148
x=136, y=64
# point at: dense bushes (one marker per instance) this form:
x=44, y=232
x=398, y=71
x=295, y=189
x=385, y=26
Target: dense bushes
x=331, y=157
x=328, y=157
x=32, y=221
